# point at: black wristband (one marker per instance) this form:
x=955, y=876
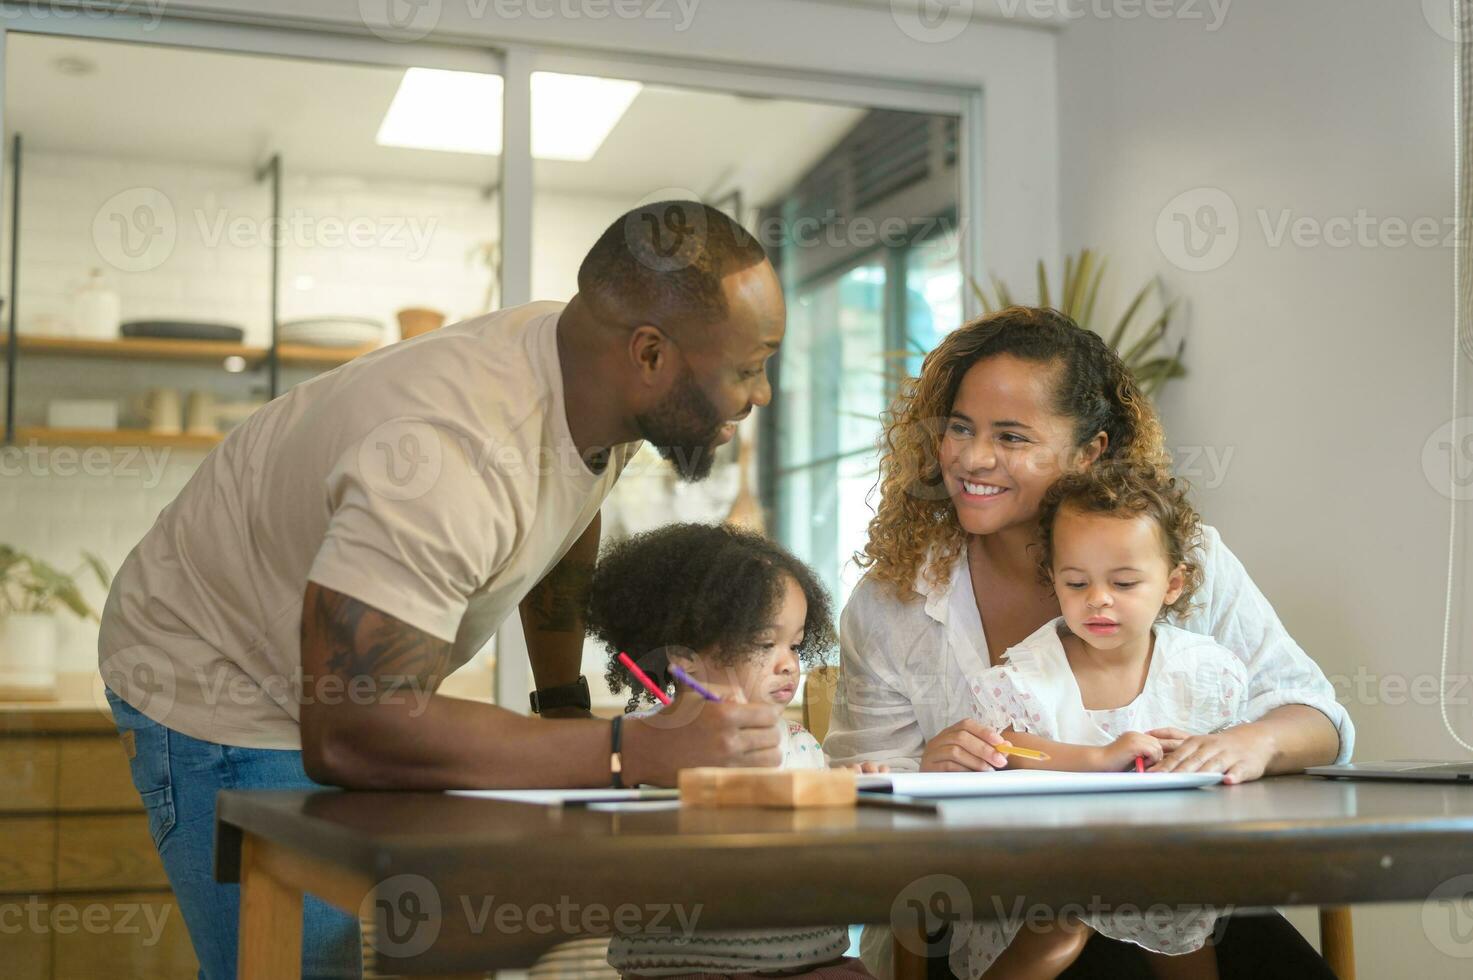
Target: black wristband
x=574, y=695
x=616, y=761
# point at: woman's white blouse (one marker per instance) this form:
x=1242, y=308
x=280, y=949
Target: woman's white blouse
x=907, y=667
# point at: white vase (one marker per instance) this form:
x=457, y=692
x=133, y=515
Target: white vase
x=28, y=657
x=96, y=310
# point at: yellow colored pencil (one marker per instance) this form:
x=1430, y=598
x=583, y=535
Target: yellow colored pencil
x=1007, y=748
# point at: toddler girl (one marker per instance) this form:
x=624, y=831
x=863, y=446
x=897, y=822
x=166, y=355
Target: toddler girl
x=1095, y=687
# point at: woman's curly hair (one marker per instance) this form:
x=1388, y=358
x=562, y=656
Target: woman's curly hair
x=1125, y=489
x=916, y=517
x=696, y=587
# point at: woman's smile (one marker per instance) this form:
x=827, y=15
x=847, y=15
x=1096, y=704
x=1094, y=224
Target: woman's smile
x=979, y=493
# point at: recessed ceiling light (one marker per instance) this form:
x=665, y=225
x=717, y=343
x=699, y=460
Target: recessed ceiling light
x=572, y=115
x=460, y=112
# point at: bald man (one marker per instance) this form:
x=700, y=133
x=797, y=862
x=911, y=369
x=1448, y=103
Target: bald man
x=288, y=618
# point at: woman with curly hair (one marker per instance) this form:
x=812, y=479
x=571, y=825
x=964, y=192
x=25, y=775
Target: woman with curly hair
x=1004, y=407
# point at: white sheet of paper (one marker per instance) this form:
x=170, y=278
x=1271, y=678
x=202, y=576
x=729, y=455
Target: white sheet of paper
x=637, y=806
x=558, y=797
x=1023, y=782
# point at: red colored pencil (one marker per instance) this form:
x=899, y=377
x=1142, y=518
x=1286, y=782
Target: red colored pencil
x=1140, y=763
x=643, y=678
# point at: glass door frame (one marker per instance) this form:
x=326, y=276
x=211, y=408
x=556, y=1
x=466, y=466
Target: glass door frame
x=516, y=62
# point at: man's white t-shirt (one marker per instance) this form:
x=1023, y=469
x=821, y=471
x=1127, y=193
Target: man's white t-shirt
x=435, y=480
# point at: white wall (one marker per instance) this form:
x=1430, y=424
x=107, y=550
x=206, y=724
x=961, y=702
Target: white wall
x=1323, y=370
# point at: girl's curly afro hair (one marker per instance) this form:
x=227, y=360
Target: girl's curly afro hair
x=1122, y=488
x=696, y=587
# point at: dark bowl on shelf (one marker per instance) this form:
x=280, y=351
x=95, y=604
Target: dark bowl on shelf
x=183, y=330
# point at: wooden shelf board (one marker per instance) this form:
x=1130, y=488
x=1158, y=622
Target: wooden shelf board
x=140, y=348
x=112, y=437
x=162, y=349
x=297, y=354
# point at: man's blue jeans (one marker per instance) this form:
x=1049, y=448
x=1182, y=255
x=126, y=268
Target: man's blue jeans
x=177, y=777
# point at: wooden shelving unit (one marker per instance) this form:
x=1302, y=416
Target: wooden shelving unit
x=305, y=355
x=158, y=349
x=140, y=348
x=112, y=437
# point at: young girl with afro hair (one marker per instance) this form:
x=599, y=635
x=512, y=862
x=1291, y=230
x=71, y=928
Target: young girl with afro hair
x=740, y=615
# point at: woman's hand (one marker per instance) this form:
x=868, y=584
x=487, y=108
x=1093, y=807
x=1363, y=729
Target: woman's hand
x=1238, y=753
x=1121, y=754
x=966, y=746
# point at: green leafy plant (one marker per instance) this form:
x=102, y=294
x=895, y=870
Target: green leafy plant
x=1148, y=356
x=30, y=585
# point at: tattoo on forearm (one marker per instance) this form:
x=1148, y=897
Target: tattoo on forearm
x=364, y=646
x=556, y=604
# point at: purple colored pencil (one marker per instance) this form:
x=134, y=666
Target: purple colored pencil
x=691, y=683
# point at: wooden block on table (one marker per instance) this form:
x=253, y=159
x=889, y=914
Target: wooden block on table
x=782, y=788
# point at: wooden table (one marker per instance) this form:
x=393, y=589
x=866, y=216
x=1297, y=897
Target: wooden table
x=463, y=885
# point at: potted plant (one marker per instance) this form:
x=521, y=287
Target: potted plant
x=31, y=593
x=1147, y=353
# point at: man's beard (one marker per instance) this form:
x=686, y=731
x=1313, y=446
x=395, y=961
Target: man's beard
x=684, y=428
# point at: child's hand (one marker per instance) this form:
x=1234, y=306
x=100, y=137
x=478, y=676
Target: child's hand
x=869, y=767
x=1121, y=754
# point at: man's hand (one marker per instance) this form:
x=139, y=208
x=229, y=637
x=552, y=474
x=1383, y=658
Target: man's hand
x=1240, y=754
x=695, y=732
x=966, y=746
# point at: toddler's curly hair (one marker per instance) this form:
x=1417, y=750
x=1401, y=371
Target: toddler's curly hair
x=696, y=587
x=1129, y=488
